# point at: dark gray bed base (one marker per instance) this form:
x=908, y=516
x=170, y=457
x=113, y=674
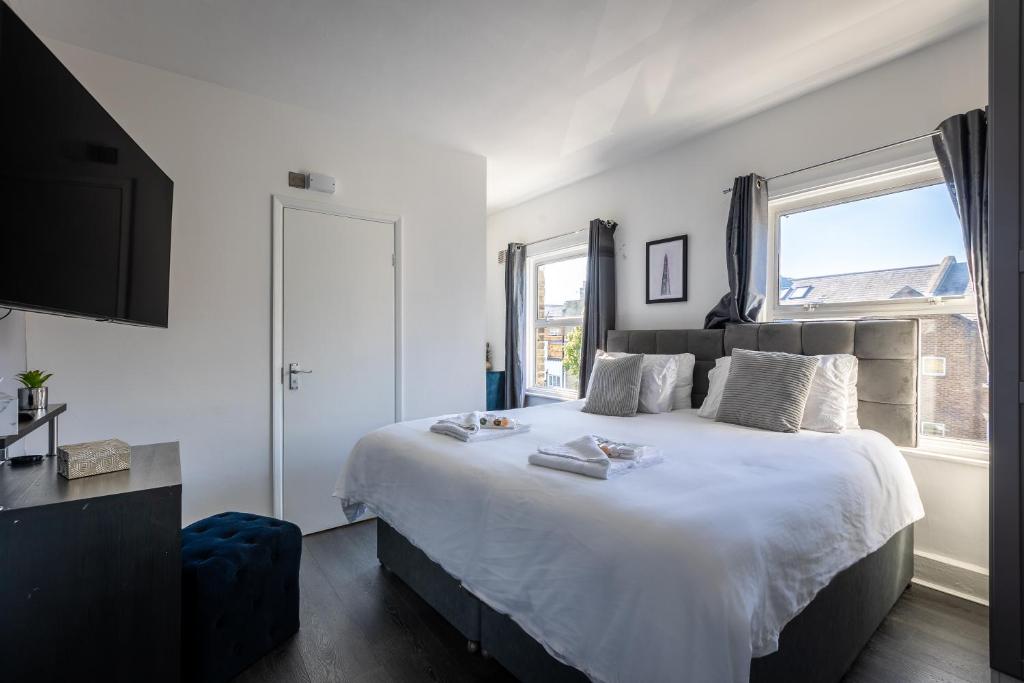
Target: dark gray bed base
x=819, y=644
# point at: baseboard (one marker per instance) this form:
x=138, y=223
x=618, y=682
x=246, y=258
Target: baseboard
x=962, y=579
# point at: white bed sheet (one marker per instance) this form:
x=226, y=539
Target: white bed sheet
x=683, y=571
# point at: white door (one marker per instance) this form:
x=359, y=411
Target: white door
x=338, y=329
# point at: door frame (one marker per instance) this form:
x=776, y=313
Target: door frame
x=1006, y=310
x=279, y=204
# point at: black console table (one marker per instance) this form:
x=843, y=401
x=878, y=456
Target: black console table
x=29, y=422
x=90, y=571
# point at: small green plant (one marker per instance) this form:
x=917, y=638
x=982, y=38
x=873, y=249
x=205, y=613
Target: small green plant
x=33, y=379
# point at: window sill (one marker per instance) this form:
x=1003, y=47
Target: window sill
x=550, y=395
x=974, y=457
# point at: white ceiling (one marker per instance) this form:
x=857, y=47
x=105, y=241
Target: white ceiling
x=550, y=91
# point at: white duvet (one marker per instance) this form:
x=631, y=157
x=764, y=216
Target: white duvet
x=680, y=572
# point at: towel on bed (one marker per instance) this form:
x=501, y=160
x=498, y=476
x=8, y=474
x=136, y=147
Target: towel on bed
x=593, y=447
x=586, y=449
x=595, y=456
x=596, y=469
x=478, y=426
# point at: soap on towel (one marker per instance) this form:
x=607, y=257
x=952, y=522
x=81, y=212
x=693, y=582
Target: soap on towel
x=492, y=421
x=476, y=420
x=628, y=451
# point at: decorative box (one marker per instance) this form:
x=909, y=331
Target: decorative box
x=96, y=457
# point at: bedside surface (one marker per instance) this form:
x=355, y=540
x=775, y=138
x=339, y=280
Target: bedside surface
x=28, y=423
x=153, y=466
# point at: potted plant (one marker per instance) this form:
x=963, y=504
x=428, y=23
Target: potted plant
x=32, y=394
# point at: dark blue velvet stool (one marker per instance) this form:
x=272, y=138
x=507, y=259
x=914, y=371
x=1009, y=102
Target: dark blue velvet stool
x=239, y=592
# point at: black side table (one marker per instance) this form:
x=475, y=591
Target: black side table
x=29, y=422
x=91, y=572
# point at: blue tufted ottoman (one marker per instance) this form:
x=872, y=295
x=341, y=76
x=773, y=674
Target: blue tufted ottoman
x=239, y=592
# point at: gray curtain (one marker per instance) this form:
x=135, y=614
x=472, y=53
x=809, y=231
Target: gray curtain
x=515, y=325
x=746, y=254
x=962, y=150
x=599, y=298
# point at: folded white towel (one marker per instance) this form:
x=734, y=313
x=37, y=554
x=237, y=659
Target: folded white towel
x=589, y=456
x=598, y=469
x=611, y=467
x=463, y=434
x=593, y=447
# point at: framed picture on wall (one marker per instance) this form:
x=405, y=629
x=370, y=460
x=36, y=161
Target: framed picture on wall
x=666, y=270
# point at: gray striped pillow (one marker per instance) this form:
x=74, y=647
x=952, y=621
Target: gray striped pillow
x=767, y=390
x=614, y=387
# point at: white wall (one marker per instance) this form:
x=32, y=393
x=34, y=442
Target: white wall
x=205, y=381
x=12, y=361
x=680, y=191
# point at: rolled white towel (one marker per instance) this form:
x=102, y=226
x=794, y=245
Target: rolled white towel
x=467, y=422
x=585, y=449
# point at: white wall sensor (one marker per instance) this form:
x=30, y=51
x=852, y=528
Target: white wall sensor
x=321, y=183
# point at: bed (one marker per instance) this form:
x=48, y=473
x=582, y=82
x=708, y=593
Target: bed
x=746, y=555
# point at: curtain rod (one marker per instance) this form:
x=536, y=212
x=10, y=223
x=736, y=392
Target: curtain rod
x=555, y=237
x=848, y=156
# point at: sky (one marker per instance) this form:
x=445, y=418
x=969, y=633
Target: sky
x=563, y=279
x=910, y=228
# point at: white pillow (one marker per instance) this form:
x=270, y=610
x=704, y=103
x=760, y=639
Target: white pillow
x=683, y=392
x=851, y=401
x=826, y=409
x=657, y=380
x=719, y=374
x=717, y=378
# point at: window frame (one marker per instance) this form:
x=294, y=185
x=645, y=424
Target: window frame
x=897, y=179
x=533, y=264
x=934, y=374
x=873, y=185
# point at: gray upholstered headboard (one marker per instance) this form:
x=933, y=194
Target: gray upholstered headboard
x=887, y=351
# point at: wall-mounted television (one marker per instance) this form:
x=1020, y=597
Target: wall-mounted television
x=85, y=214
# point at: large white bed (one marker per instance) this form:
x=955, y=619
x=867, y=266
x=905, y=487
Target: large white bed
x=682, y=571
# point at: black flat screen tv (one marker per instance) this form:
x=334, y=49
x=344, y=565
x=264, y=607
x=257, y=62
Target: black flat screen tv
x=85, y=214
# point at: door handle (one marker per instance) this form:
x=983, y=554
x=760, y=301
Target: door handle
x=293, y=375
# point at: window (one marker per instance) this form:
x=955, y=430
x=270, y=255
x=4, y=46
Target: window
x=890, y=245
x=798, y=292
x=933, y=366
x=557, y=280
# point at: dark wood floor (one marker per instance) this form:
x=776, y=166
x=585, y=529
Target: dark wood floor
x=360, y=624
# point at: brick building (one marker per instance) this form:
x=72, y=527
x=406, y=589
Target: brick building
x=549, y=344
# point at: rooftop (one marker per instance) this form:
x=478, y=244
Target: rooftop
x=946, y=278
